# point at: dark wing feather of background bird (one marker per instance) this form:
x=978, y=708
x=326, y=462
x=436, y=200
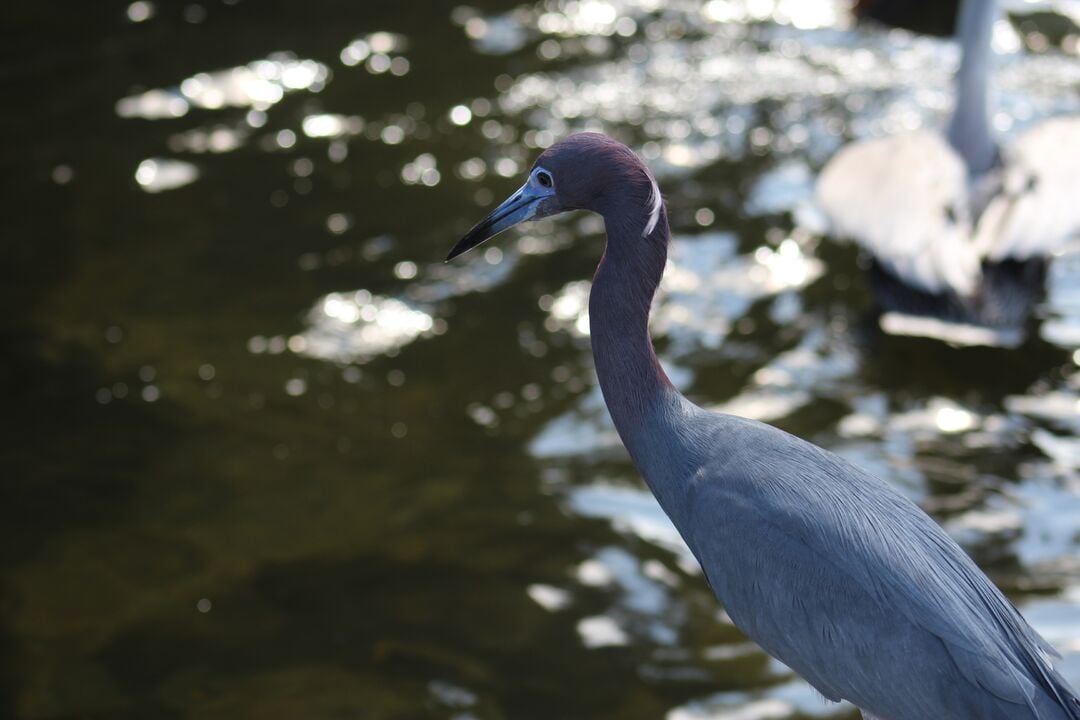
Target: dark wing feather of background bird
x=930, y=17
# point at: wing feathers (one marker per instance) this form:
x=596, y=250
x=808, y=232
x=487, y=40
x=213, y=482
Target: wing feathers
x=904, y=199
x=1038, y=209
x=866, y=561
x=909, y=201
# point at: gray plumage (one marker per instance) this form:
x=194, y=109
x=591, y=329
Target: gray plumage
x=828, y=568
x=855, y=588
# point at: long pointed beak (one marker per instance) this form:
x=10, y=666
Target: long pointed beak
x=528, y=202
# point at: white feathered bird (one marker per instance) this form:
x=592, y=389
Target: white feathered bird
x=959, y=226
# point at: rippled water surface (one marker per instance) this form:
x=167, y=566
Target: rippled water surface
x=267, y=456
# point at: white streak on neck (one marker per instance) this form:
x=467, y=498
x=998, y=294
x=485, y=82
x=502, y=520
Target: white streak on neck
x=654, y=210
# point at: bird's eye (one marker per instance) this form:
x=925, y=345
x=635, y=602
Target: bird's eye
x=544, y=179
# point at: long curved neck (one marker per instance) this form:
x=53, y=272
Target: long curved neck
x=969, y=129
x=643, y=404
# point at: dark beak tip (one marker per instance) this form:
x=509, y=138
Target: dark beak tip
x=511, y=212
x=459, y=249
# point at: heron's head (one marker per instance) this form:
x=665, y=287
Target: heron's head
x=588, y=171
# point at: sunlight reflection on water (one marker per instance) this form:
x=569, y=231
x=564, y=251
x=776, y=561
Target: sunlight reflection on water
x=736, y=104
x=359, y=326
x=259, y=85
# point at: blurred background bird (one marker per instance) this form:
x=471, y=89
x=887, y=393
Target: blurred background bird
x=959, y=224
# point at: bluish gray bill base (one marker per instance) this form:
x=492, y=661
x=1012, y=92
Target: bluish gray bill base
x=825, y=566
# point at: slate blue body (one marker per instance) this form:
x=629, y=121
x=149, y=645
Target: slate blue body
x=828, y=568
x=849, y=583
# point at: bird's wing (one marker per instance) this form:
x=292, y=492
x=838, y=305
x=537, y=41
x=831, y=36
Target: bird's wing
x=853, y=586
x=1037, y=208
x=905, y=200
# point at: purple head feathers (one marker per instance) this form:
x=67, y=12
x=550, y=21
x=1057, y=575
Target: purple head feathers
x=587, y=171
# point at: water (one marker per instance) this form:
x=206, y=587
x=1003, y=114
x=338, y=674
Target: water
x=268, y=456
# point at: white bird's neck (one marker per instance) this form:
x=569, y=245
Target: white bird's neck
x=969, y=129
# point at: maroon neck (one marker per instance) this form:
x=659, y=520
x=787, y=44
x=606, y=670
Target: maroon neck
x=635, y=387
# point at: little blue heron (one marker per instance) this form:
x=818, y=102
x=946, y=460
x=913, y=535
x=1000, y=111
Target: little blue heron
x=959, y=228
x=825, y=566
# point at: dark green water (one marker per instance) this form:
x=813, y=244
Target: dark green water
x=265, y=456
